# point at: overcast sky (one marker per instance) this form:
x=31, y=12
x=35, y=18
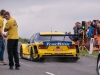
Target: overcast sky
x=40, y=15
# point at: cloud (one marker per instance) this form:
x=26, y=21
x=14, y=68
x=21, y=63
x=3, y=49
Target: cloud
x=40, y=15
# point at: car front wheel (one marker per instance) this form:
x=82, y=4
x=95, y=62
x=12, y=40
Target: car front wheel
x=32, y=56
x=21, y=52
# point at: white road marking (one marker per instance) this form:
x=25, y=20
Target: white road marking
x=37, y=66
x=25, y=64
x=31, y=66
x=49, y=73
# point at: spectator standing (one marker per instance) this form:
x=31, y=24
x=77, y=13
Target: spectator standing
x=2, y=39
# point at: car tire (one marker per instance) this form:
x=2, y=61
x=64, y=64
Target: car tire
x=98, y=66
x=31, y=56
x=21, y=52
x=72, y=59
x=75, y=59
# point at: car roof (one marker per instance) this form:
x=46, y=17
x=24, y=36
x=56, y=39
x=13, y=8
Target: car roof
x=52, y=33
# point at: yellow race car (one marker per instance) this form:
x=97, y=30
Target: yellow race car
x=49, y=44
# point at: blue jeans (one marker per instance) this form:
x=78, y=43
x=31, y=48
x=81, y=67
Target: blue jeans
x=2, y=48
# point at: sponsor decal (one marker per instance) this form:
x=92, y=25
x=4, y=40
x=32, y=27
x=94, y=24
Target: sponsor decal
x=57, y=43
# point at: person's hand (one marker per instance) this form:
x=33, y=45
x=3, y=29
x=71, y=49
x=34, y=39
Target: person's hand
x=4, y=35
x=4, y=39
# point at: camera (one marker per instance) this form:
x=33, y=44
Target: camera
x=94, y=20
x=83, y=23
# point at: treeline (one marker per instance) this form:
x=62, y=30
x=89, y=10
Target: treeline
x=23, y=39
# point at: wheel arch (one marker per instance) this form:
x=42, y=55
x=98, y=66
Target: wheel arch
x=35, y=49
x=23, y=47
x=77, y=49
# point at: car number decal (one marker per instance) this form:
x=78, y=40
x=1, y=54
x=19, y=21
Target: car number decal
x=58, y=49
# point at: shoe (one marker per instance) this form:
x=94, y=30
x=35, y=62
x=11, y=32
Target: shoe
x=17, y=68
x=11, y=67
x=4, y=63
x=1, y=63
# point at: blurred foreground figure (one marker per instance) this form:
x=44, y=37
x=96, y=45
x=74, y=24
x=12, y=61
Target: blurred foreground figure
x=2, y=39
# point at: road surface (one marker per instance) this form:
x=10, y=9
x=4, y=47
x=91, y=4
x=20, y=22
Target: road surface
x=52, y=66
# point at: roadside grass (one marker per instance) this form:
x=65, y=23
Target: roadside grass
x=84, y=52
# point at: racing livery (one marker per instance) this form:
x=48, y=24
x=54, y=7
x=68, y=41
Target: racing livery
x=50, y=44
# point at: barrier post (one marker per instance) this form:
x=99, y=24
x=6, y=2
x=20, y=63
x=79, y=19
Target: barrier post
x=91, y=46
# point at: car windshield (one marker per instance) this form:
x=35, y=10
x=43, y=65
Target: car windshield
x=55, y=38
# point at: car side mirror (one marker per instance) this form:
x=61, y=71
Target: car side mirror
x=25, y=40
x=28, y=42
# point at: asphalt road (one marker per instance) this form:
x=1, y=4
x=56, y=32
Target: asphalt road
x=52, y=66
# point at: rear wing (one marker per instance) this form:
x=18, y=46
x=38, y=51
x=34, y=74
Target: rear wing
x=51, y=35
x=58, y=35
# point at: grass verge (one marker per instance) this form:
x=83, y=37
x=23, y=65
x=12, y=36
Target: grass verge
x=83, y=53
